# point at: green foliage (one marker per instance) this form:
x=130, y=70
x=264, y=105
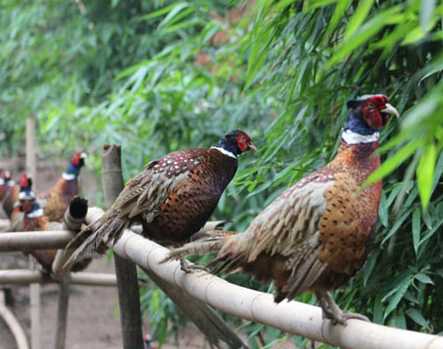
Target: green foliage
x=157, y=76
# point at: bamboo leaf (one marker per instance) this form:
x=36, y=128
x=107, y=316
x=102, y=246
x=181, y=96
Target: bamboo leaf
x=416, y=231
x=397, y=295
x=393, y=162
x=426, y=11
x=358, y=17
x=425, y=173
x=364, y=33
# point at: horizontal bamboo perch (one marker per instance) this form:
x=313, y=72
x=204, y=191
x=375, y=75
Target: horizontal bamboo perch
x=25, y=241
x=292, y=317
x=24, y=277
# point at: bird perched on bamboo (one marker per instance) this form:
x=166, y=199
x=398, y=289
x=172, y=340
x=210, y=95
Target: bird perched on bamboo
x=24, y=190
x=172, y=198
x=61, y=194
x=9, y=192
x=314, y=236
x=28, y=215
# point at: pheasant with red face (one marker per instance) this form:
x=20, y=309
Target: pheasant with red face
x=172, y=198
x=61, y=194
x=314, y=236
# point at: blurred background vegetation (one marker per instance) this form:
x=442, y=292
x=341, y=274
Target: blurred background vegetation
x=157, y=76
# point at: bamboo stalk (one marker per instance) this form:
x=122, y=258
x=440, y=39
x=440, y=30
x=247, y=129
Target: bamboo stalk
x=40, y=240
x=31, y=169
x=292, y=317
x=62, y=313
x=14, y=326
x=73, y=219
x=25, y=277
x=126, y=272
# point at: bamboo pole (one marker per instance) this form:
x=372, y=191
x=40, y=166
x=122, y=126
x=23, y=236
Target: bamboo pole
x=14, y=326
x=51, y=239
x=25, y=277
x=126, y=272
x=73, y=219
x=292, y=317
x=31, y=169
x=41, y=240
x=62, y=313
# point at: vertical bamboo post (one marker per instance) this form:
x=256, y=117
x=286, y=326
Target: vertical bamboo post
x=126, y=272
x=62, y=313
x=31, y=169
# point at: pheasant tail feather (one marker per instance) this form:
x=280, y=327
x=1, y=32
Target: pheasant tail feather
x=94, y=240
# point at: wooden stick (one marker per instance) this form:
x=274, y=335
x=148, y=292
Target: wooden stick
x=292, y=317
x=25, y=277
x=126, y=272
x=40, y=240
x=31, y=169
x=62, y=314
x=73, y=219
x=14, y=326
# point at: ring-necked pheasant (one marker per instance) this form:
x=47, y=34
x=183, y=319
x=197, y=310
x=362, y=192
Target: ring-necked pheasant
x=172, y=198
x=28, y=215
x=8, y=192
x=314, y=236
x=61, y=194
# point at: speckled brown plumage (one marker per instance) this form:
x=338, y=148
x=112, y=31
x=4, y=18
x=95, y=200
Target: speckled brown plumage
x=172, y=198
x=315, y=235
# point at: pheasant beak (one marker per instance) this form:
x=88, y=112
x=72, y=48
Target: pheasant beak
x=252, y=147
x=389, y=109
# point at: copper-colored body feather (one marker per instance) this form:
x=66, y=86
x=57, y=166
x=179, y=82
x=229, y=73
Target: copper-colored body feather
x=314, y=235
x=59, y=197
x=8, y=196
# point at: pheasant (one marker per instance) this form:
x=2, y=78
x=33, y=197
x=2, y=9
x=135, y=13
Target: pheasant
x=314, y=236
x=28, y=215
x=8, y=192
x=61, y=194
x=172, y=198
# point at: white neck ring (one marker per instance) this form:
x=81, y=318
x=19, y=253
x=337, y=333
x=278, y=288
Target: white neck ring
x=225, y=152
x=351, y=137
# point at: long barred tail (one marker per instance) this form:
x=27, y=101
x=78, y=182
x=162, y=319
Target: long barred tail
x=93, y=240
x=230, y=249
x=212, y=242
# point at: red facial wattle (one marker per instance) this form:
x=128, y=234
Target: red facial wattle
x=76, y=159
x=24, y=181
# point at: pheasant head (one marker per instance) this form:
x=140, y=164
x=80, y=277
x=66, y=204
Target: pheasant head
x=234, y=143
x=76, y=163
x=369, y=113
